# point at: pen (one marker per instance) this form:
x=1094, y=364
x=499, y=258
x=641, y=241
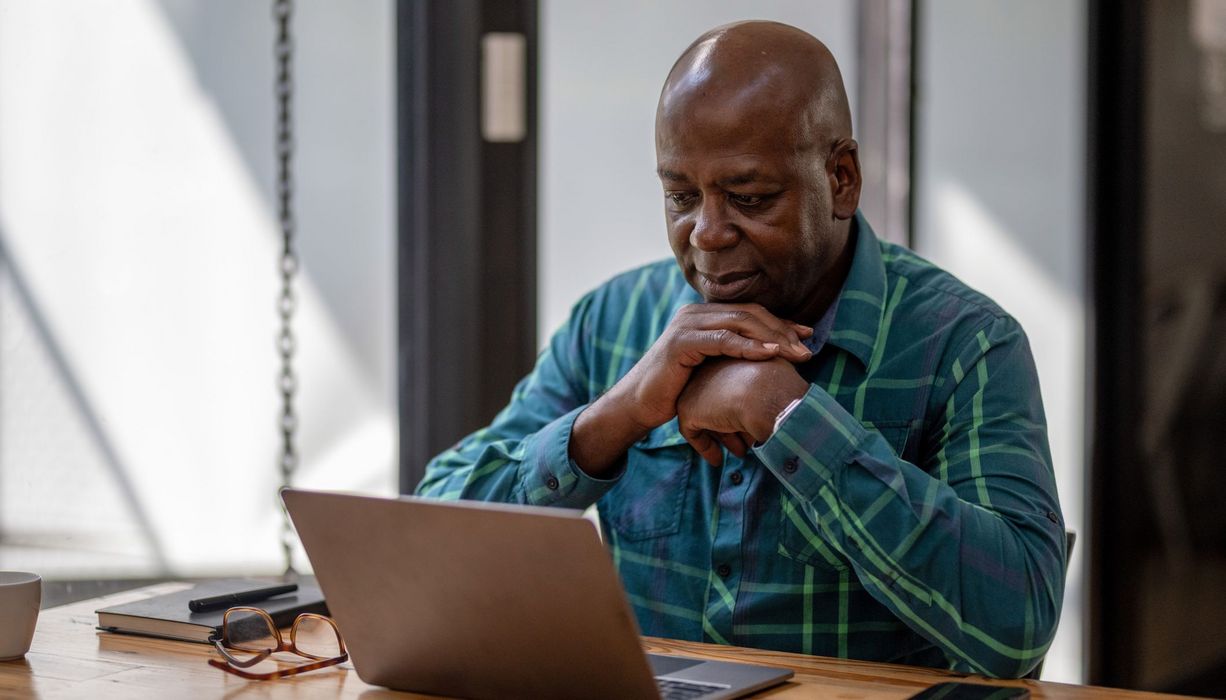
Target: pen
x=226, y=600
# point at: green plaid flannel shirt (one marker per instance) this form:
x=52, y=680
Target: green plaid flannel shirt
x=904, y=511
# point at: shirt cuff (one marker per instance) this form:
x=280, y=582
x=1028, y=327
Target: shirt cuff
x=783, y=415
x=551, y=478
x=812, y=442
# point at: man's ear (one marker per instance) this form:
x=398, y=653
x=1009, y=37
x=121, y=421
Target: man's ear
x=843, y=169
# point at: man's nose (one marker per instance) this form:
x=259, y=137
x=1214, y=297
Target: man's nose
x=712, y=228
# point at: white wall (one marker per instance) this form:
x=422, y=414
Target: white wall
x=602, y=67
x=999, y=198
x=138, y=403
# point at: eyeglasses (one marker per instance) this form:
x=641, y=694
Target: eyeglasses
x=249, y=636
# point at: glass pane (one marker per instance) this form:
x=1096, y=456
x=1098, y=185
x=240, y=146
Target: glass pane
x=248, y=631
x=314, y=636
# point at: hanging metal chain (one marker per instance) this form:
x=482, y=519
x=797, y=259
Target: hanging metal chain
x=286, y=342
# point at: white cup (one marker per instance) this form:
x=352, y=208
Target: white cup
x=20, y=595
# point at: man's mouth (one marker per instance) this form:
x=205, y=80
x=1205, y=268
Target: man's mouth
x=729, y=286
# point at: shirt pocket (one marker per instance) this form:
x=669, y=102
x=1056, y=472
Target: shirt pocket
x=649, y=499
x=799, y=538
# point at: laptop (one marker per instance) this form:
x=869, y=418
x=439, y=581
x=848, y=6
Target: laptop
x=484, y=600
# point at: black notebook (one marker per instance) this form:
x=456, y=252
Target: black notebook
x=167, y=615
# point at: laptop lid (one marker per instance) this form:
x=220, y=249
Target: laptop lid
x=472, y=599
x=487, y=600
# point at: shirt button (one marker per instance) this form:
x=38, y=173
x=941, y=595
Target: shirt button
x=790, y=465
x=736, y=478
x=1051, y=515
x=552, y=483
x=723, y=570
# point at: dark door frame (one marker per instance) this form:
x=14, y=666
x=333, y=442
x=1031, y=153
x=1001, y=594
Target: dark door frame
x=885, y=120
x=1115, y=193
x=467, y=227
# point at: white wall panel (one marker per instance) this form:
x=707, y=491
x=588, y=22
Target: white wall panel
x=1000, y=153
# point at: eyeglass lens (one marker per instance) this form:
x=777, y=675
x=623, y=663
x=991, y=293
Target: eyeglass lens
x=249, y=632
x=315, y=637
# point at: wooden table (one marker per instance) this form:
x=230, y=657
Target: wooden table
x=71, y=659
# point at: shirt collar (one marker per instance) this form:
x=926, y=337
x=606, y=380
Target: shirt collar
x=821, y=331
x=862, y=300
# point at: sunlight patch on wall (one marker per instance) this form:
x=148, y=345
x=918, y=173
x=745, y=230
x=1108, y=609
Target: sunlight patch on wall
x=128, y=211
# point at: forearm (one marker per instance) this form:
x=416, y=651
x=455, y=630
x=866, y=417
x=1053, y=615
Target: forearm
x=601, y=436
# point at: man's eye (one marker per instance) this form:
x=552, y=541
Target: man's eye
x=679, y=199
x=745, y=200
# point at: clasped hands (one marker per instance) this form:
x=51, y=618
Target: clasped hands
x=724, y=370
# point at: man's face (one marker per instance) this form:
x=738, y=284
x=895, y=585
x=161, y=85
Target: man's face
x=747, y=200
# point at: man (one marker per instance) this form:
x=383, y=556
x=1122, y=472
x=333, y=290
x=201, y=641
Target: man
x=797, y=437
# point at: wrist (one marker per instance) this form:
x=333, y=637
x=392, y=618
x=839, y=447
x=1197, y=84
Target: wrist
x=777, y=404
x=601, y=436
x=623, y=413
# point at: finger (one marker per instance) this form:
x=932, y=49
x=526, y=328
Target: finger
x=704, y=445
x=797, y=353
x=752, y=321
x=756, y=322
x=749, y=441
x=735, y=443
x=692, y=347
x=802, y=330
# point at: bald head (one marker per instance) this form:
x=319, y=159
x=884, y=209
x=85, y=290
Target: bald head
x=762, y=67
